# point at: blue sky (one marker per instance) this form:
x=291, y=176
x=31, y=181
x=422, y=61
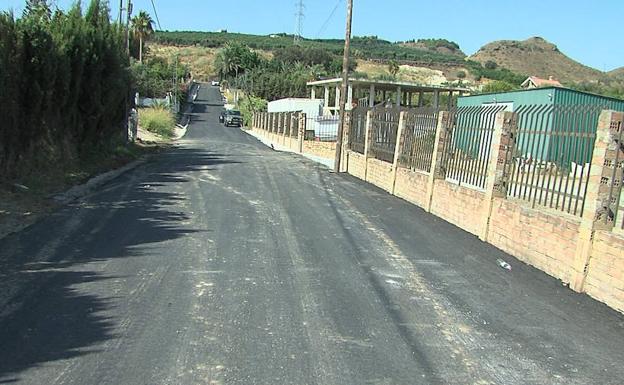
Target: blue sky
x=586, y=30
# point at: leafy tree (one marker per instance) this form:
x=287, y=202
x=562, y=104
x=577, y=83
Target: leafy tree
x=490, y=65
x=498, y=86
x=143, y=28
x=393, y=68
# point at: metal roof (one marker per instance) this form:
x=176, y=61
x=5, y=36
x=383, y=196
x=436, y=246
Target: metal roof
x=390, y=85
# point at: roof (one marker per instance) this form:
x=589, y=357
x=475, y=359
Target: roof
x=543, y=89
x=539, y=82
x=390, y=85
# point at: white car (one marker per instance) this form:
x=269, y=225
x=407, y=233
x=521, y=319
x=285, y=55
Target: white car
x=215, y=83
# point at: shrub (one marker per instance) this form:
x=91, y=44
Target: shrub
x=157, y=120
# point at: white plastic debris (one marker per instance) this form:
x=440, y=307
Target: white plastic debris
x=503, y=264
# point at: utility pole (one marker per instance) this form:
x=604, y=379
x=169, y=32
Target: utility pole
x=345, y=84
x=128, y=17
x=120, y=12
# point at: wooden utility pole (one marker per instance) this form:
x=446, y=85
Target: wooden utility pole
x=345, y=86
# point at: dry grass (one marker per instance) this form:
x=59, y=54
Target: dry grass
x=158, y=120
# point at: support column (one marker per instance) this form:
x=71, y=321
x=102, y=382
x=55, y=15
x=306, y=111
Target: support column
x=349, y=105
x=397, y=149
x=326, y=100
x=398, y=97
x=337, y=101
x=438, y=161
x=503, y=140
x=313, y=93
x=436, y=99
x=450, y=100
x=603, y=192
x=421, y=99
x=371, y=96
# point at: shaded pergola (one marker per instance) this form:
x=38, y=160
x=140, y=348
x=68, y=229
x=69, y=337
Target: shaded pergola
x=365, y=92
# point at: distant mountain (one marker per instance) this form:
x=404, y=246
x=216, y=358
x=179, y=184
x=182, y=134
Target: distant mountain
x=617, y=73
x=536, y=56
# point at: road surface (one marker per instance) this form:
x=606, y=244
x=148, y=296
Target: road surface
x=225, y=262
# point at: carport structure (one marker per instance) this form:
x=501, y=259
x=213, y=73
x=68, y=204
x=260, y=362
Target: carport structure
x=365, y=92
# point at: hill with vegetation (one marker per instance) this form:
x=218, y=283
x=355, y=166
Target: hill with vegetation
x=536, y=56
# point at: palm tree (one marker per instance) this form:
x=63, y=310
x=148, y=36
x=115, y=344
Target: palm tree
x=142, y=26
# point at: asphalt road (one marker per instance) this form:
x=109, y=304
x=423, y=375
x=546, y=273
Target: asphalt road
x=224, y=262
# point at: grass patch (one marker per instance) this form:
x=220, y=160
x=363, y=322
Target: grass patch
x=158, y=120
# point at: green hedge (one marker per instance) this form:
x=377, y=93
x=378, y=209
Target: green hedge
x=65, y=85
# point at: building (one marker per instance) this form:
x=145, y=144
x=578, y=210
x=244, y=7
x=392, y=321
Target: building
x=535, y=82
x=550, y=120
x=370, y=93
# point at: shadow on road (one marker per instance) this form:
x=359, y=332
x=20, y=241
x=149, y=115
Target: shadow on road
x=56, y=302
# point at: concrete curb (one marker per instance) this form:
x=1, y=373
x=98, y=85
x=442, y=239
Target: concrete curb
x=92, y=184
x=277, y=147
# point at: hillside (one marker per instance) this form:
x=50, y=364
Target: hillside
x=617, y=73
x=536, y=56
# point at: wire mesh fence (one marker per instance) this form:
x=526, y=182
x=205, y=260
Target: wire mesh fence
x=552, y=156
x=357, y=130
x=467, y=154
x=385, y=125
x=419, y=132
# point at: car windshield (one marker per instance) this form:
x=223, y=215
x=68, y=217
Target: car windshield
x=237, y=113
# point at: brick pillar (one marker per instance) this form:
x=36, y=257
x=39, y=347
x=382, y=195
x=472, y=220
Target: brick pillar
x=302, y=129
x=397, y=148
x=294, y=130
x=367, y=140
x=444, y=133
x=345, y=141
x=603, y=192
x=503, y=141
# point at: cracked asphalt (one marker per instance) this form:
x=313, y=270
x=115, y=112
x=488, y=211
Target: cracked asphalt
x=222, y=261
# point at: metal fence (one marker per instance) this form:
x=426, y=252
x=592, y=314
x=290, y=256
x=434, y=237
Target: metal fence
x=552, y=155
x=385, y=124
x=419, y=132
x=357, y=130
x=323, y=128
x=467, y=153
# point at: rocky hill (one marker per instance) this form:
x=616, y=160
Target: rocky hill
x=536, y=56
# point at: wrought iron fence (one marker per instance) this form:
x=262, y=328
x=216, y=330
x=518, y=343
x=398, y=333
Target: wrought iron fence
x=552, y=155
x=419, y=131
x=357, y=130
x=385, y=124
x=467, y=153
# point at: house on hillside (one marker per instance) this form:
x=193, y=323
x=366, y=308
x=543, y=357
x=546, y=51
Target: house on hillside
x=535, y=82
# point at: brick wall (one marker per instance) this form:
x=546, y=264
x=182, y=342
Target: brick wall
x=379, y=173
x=462, y=206
x=321, y=149
x=411, y=186
x=356, y=165
x=605, y=278
x=540, y=237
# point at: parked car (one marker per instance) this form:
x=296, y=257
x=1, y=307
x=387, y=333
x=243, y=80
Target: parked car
x=233, y=118
x=215, y=83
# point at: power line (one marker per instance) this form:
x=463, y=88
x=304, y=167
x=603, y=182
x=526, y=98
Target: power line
x=326, y=23
x=156, y=14
x=299, y=16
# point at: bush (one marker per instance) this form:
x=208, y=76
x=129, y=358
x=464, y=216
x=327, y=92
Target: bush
x=157, y=120
x=249, y=105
